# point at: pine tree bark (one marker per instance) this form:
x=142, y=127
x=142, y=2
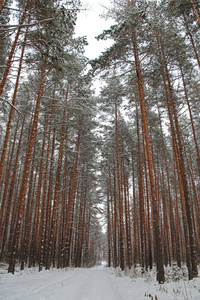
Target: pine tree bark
x=183, y=174
x=23, y=189
x=8, y=172
x=35, y=241
x=109, y=230
x=49, y=206
x=5, y=145
x=10, y=57
x=1, y=4
x=44, y=204
x=195, y=10
x=54, y=218
x=71, y=198
x=141, y=191
x=174, y=234
x=10, y=201
x=178, y=150
x=120, y=197
x=191, y=119
x=115, y=256
x=28, y=224
x=126, y=210
x=158, y=241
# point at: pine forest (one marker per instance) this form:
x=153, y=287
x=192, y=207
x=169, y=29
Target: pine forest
x=114, y=173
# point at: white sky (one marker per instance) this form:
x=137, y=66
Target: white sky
x=90, y=24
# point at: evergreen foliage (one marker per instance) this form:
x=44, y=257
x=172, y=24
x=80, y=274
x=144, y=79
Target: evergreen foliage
x=130, y=155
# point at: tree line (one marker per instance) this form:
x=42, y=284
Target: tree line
x=49, y=200
x=151, y=162
x=134, y=147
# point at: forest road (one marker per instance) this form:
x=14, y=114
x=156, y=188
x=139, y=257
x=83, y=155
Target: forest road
x=97, y=283
x=93, y=284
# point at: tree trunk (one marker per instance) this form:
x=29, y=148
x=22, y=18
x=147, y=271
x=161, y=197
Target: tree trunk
x=109, y=231
x=191, y=39
x=42, y=224
x=195, y=10
x=1, y=4
x=141, y=192
x=28, y=223
x=3, y=154
x=10, y=57
x=23, y=189
x=183, y=174
x=126, y=209
x=55, y=215
x=8, y=172
x=158, y=241
x=115, y=256
x=120, y=198
x=191, y=120
x=72, y=190
x=174, y=234
x=49, y=206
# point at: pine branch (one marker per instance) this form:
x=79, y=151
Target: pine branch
x=25, y=25
x=12, y=106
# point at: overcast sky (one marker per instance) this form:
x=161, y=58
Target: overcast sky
x=90, y=24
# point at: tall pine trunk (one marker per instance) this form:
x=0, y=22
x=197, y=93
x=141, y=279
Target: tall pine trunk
x=8, y=128
x=23, y=188
x=14, y=45
x=120, y=197
x=158, y=241
x=195, y=10
x=182, y=173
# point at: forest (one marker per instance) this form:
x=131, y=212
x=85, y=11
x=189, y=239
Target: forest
x=128, y=156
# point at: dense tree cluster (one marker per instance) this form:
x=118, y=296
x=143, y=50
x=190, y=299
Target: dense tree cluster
x=135, y=147
x=151, y=162
x=49, y=198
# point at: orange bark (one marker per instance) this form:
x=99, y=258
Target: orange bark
x=115, y=253
x=1, y=4
x=8, y=171
x=23, y=188
x=192, y=41
x=174, y=235
x=127, y=210
x=44, y=206
x=57, y=185
x=5, y=145
x=72, y=190
x=10, y=57
x=141, y=190
x=120, y=197
x=159, y=255
x=195, y=10
x=35, y=236
x=183, y=176
x=191, y=119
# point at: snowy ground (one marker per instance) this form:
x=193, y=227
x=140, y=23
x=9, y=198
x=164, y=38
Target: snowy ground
x=98, y=283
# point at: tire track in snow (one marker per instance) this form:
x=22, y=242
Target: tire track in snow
x=77, y=284
x=72, y=284
x=95, y=284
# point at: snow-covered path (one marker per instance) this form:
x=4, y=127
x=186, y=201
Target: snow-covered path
x=93, y=284
x=83, y=284
x=98, y=283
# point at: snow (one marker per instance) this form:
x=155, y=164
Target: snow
x=97, y=283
